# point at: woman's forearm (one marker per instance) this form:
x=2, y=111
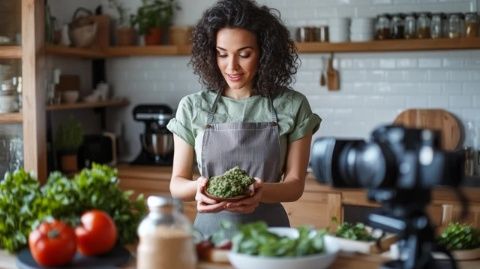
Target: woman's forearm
x=282, y=192
x=183, y=188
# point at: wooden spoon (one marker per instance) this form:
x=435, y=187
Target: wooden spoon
x=333, y=78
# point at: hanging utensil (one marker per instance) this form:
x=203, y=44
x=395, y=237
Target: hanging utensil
x=333, y=77
x=323, y=80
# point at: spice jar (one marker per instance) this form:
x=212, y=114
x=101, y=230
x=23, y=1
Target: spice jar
x=382, y=27
x=166, y=238
x=398, y=26
x=436, y=25
x=410, y=24
x=455, y=25
x=471, y=24
x=423, y=25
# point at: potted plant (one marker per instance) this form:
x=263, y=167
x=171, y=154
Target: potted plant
x=124, y=32
x=68, y=139
x=153, y=19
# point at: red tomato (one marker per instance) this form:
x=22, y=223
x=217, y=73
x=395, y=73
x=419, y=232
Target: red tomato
x=97, y=233
x=52, y=243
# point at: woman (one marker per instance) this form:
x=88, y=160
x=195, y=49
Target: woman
x=248, y=117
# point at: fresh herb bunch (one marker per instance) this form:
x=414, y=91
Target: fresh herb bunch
x=458, y=236
x=255, y=239
x=356, y=231
x=24, y=204
x=233, y=182
x=20, y=206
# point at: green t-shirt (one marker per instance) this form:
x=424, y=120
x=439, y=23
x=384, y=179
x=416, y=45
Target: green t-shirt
x=295, y=117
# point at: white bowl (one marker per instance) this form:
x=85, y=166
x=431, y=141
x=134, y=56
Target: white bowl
x=316, y=261
x=70, y=97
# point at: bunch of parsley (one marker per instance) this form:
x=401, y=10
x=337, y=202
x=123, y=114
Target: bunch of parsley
x=24, y=204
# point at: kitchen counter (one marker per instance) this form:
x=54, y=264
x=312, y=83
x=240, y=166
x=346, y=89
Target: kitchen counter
x=344, y=261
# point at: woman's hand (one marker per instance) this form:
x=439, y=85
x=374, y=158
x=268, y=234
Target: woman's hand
x=249, y=204
x=205, y=204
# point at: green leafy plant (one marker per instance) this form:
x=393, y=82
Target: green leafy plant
x=123, y=18
x=69, y=136
x=154, y=13
x=458, y=236
x=24, y=204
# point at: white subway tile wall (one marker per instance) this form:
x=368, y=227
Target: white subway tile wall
x=375, y=87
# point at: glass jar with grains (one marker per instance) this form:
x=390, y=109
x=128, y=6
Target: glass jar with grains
x=436, y=25
x=410, y=24
x=166, y=237
x=398, y=26
x=471, y=24
x=455, y=21
x=423, y=25
x=382, y=27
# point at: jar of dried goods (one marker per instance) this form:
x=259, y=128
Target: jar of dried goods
x=410, y=23
x=423, y=25
x=166, y=238
x=471, y=24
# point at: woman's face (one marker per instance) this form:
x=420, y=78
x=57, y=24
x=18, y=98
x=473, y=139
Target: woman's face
x=237, y=59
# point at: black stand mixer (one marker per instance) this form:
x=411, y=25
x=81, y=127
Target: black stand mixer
x=156, y=140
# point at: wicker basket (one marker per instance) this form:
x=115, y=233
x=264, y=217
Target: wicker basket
x=83, y=28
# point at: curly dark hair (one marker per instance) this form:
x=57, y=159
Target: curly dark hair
x=278, y=60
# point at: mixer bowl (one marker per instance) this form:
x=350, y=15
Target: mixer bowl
x=158, y=144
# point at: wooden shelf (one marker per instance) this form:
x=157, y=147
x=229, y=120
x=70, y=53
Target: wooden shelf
x=391, y=45
x=85, y=105
x=148, y=50
x=74, y=52
x=10, y=52
x=11, y=118
x=307, y=47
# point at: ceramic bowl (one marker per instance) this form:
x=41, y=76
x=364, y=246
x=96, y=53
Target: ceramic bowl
x=70, y=97
x=316, y=261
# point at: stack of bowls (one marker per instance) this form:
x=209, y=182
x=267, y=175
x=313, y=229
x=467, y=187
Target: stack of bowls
x=361, y=29
x=339, y=29
x=8, y=97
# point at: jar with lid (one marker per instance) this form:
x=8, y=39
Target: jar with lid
x=410, y=24
x=423, y=25
x=398, y=26
x=382, y=27
x=166, y=237
x=455, y=21
x=436, y=25
x=471, y=24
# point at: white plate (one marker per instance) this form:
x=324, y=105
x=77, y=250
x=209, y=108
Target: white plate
x=316, y=261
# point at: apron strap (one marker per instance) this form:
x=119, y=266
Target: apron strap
x=211, y=113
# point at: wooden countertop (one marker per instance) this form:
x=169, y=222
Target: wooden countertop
x=343, y=261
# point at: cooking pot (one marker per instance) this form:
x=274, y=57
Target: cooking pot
x=158, y=144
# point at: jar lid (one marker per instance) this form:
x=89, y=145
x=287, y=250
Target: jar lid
x=156, y=201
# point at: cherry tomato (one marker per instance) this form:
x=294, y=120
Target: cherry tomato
x=53, y=243
x=97, y=233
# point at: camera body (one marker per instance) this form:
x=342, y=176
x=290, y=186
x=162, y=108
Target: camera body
x=395, y=158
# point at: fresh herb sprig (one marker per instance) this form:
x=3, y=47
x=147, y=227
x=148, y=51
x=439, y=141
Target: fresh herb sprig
x=356, y=231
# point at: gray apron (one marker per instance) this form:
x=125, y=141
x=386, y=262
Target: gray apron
x=255, y=148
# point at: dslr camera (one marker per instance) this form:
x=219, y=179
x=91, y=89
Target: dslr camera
x=399, y=166
x=395, y=158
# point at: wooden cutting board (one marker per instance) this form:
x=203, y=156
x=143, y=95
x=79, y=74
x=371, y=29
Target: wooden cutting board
x=436, y=119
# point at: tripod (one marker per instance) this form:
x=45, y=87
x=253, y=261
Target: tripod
x=403, y=213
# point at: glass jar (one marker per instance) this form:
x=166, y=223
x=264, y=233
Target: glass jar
x=436, y=25
x=410, y=23
x=471, y=24
x=166, y=237
x=398, y=26
x=455, y=25
x=382, y=27
x=423, y=25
